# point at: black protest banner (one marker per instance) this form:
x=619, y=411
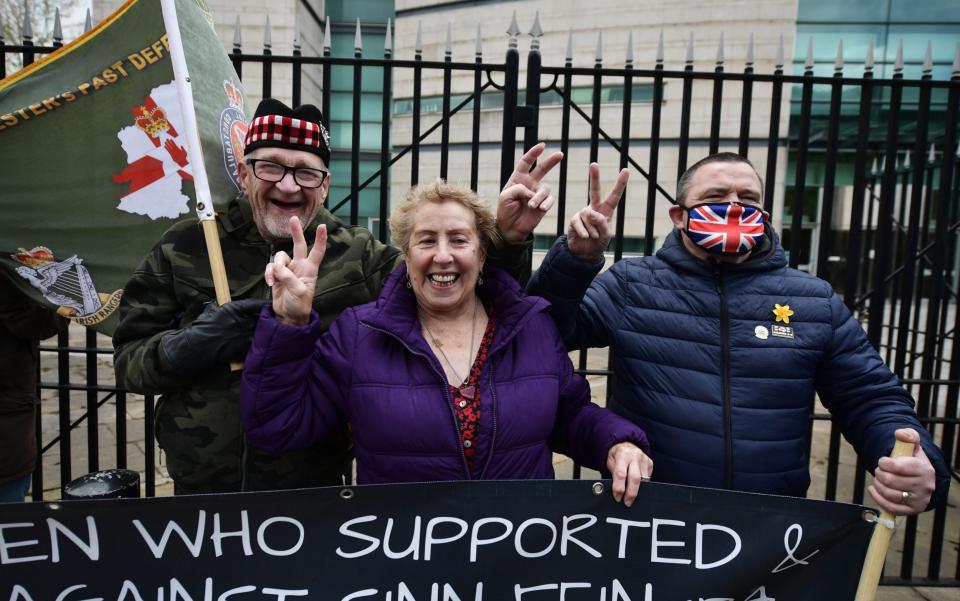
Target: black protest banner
x=456, y=541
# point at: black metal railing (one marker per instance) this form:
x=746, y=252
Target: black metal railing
x=886, y=238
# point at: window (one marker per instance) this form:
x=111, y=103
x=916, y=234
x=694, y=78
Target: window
x=931, y=11
x=811, y=202
x=340, y=187
x=847, y=11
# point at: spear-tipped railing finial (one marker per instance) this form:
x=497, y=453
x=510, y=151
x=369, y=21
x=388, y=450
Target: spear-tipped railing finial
x=720, y=51
x=780, y=55
x=513, y=31
x=448, y=45
x=267, y=35
x=750, y=57
x=898, y=62
x=27, y=26
x=838, y=62
x=808, y=63
x=536, y=32
x=327, y=38
x=568, y=58
x=237, y=40
x=388, y=41
x=57, y=29
x=660, y=49
x=357, y=39
x=868, y=61
x=629, y=58
x=689, y=60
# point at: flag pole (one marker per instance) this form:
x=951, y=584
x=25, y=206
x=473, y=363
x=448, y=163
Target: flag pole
x=195, y=151
x=880, y=540
x=205, y=214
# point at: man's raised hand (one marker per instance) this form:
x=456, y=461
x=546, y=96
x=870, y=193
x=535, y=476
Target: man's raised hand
x=525, y=199
x=589, y=232
x=295, y=279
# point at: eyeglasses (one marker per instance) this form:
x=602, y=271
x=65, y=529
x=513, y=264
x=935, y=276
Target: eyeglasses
x=305, y=177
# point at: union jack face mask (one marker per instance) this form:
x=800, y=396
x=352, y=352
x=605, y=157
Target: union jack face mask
x=725, y=228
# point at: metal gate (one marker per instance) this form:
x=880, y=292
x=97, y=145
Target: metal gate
x=887, y=239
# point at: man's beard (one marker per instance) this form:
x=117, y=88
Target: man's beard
x=274, y=227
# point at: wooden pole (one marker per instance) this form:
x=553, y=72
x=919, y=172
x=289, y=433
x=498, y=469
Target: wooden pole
x=882, y=532
x=217, y=268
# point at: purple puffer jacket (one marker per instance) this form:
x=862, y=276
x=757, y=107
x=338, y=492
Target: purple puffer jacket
x=374, y=369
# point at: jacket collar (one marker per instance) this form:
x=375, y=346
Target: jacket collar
x=768, y=256
x=395, y=310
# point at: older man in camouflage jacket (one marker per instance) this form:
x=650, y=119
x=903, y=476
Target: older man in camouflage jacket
x=173, y=339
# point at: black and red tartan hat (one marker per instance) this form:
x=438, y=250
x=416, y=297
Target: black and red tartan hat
x=275, y=125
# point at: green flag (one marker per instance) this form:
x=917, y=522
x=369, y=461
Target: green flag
x=93, y=154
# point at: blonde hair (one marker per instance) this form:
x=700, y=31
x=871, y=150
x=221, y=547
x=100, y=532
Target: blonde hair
x=438, y=191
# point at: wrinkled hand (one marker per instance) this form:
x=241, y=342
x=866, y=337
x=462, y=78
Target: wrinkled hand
x=219, y=335
x=894, y=475
x=525, y=198
x=628, y=465
x=589, y=231
x=294, y=280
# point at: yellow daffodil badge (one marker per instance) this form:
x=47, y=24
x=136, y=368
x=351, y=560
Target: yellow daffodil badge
x=783, y=314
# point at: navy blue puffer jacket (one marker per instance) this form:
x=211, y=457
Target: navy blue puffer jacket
x=721, y=387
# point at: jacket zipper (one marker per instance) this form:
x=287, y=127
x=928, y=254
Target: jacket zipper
x=493, y=417
x=446, y=391
x=725, y=377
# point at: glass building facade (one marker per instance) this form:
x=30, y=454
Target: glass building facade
x=822, y=24
x=343, y=15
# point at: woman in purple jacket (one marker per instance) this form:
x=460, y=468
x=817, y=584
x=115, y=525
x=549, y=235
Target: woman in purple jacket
x=453, y=373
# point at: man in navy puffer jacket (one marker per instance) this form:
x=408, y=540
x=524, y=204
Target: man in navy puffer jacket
x=718, y=346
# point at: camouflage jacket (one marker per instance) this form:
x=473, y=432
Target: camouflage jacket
x=198, y=420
